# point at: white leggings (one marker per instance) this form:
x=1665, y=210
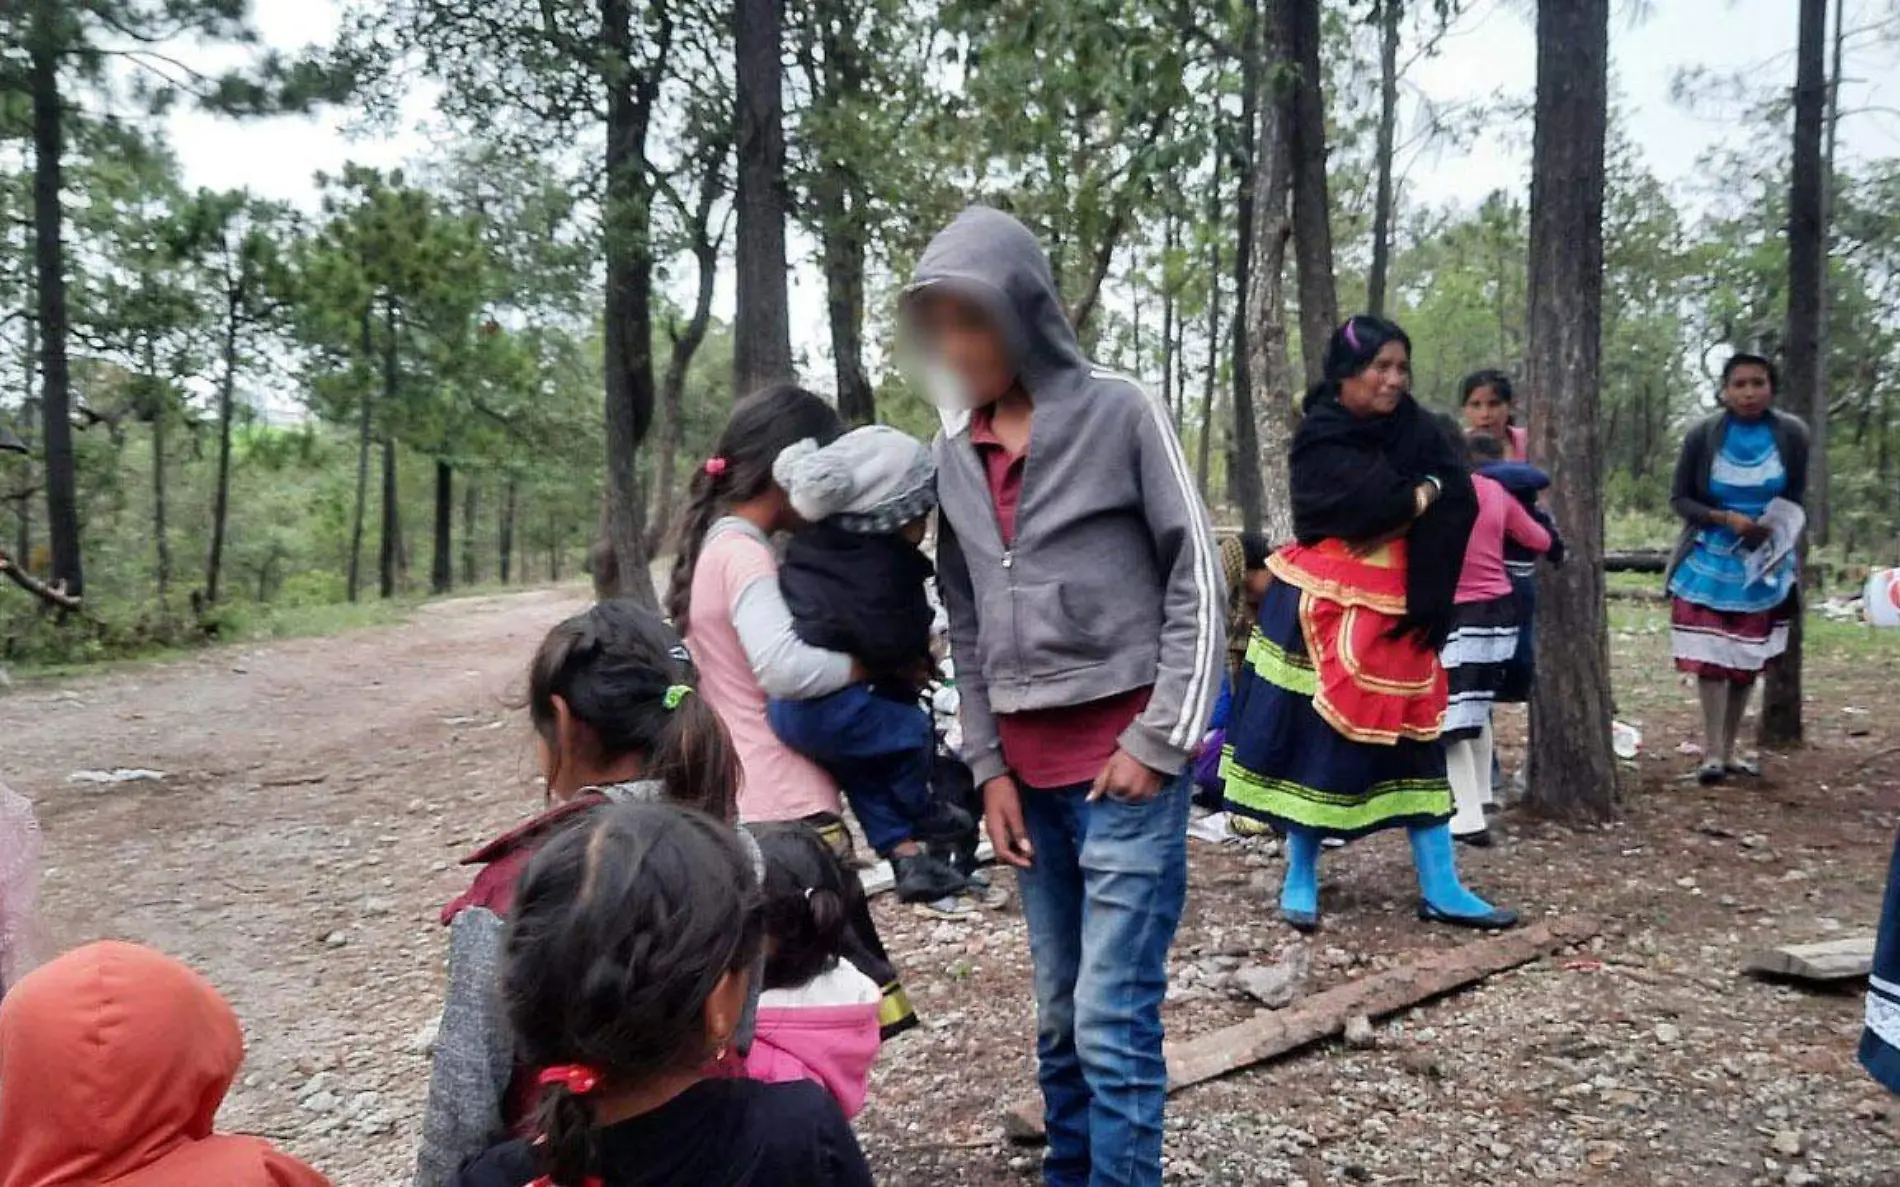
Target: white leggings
x=1468, y=767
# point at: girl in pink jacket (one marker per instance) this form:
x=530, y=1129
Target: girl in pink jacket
x=818, y=1015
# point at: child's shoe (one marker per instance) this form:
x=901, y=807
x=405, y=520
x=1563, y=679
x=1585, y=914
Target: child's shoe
x=922, y=878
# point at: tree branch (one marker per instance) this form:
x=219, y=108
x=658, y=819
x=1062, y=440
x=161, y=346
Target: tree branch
x=53, y=595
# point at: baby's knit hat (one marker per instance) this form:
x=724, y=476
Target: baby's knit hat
x=872, y=480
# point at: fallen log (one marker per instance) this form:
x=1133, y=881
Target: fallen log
x=1832, y=960
x=1209, y=1056
x=1638, y=560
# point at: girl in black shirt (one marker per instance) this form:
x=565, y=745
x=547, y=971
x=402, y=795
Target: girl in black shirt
x=625, y=975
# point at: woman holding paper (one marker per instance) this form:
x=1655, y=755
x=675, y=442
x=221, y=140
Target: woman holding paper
x=1739, y=486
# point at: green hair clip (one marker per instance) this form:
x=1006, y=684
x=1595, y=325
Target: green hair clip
x=675, y=693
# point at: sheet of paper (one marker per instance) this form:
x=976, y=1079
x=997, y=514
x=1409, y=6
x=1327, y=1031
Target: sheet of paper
x=1784, y=520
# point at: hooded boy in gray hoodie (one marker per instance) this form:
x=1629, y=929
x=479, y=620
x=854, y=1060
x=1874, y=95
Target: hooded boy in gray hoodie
x=1087, y=623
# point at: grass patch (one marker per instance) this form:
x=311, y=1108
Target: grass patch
x=41, y=648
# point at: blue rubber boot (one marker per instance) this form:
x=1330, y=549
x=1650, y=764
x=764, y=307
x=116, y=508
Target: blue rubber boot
x=1445, y=899
x=1299, y=896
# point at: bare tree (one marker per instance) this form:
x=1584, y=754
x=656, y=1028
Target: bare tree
x=1807, y=278
x=1312, y=209
x=1269, y=369
x=762, y=342
x=1389, y=12
x=1572, y=767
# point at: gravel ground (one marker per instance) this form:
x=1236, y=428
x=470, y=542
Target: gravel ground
x=318, y=793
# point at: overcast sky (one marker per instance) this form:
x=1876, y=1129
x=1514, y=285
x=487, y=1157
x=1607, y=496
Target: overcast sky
x=1489, y=50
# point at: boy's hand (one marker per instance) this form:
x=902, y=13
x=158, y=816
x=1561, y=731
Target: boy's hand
x=1128, y=779
x=1003, y=816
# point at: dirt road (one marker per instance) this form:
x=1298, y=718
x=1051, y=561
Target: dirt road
x=317, y=794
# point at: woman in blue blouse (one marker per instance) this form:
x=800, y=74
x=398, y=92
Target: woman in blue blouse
x=1725, y=627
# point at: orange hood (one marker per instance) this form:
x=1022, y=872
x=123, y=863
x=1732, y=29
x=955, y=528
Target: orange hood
x=113, y=1062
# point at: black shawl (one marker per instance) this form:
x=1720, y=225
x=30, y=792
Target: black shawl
x=1354, y=480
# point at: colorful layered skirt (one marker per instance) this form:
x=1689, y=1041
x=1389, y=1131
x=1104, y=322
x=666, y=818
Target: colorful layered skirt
x=1722, y=625
x=1336, y=722
x=1477, y=660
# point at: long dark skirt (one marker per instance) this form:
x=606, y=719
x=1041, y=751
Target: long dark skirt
x=1283, y=764
x=1518, y=674
x=1880, y=1042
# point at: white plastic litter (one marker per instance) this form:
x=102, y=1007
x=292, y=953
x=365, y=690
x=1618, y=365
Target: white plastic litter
x=1625, y=739
x=117, y=775
x=1212, y=828
x=1881, y=598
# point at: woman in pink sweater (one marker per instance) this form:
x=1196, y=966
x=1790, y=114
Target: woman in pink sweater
x=1483, y=640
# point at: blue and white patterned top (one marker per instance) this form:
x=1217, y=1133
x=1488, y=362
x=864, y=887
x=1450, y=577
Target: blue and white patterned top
x=1747, y=475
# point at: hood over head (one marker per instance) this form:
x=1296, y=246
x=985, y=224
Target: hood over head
x=115, y=1059
x=988, y=258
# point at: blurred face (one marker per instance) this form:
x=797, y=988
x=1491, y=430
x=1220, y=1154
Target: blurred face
x=958, y=337
x=1748, y=391
x=1376, y=391
x=1486, y=413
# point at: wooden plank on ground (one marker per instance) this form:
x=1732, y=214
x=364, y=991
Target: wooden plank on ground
x=1196, y=1060
x=1833, y=960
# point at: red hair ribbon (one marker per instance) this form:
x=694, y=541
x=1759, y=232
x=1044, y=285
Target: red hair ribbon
x=589, y=1181
x=576, y=1078
x=715, y=466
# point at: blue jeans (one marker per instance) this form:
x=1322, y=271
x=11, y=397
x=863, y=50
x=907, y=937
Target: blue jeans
x=1102, y=901
x=878, y=750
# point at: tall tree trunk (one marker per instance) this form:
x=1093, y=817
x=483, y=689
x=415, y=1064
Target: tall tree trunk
x=762, y=339
x=471, y=508
x=505, y=534
x=29, y=411
x=49, y=256
x=1389, y=13
x=1269, y=368
x=838, y=200
x=388, y=558
x=1205, y=459
x=442, y=560
x=1781, y=724
x=221, y=493
x=1244, y=472
x=686, y=344
x=1312, y=210
x=161, y=538
x=629, y=320
x=1572, y=768
x=1170, y=387
x=364, y=435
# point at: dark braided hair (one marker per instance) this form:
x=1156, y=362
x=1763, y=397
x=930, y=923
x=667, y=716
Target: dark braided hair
x=761, y=426
x=1358, y=341
x=614, y=665
x=808, y=901
x=623, y=928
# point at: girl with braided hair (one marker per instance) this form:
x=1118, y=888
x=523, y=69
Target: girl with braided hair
x=625, y=975
x=616, y=719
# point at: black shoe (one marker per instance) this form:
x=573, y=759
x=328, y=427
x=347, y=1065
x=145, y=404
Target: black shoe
x=942, y=822
x=1711, y=773
x=1481, y=839
x=922, y=878
x=1304, y=922
x=1496, y=919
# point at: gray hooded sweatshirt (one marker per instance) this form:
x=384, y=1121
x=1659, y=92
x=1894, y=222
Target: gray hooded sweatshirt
x=1113, y=580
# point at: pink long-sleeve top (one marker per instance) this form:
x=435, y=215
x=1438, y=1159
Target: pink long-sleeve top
x=1500, y=517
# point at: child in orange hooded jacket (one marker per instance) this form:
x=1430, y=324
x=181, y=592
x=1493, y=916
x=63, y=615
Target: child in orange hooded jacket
x=115, y=1059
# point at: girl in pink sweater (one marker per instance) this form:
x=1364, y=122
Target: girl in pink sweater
x=818, y=1016
x=1483, y=640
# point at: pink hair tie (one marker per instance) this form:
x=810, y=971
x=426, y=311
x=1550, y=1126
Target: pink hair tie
x=1352, y=339
x=576, y=1078
x=715, y=466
